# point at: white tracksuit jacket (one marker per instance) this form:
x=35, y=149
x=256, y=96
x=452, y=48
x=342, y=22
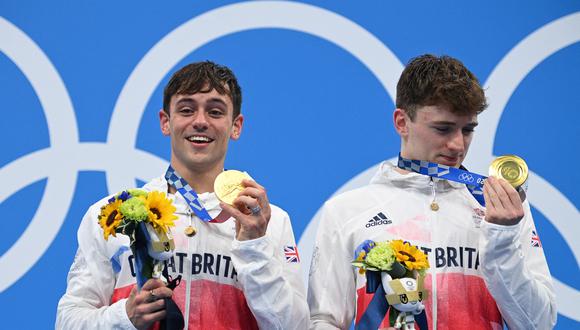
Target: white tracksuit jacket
x=480, y=272
x=226, y=284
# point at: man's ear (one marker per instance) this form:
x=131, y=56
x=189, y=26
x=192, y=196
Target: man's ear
x=401, y=121
x=164, y=122
x=237, y=127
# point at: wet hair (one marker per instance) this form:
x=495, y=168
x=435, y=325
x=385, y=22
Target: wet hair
x=431, y=80
x=203, y=77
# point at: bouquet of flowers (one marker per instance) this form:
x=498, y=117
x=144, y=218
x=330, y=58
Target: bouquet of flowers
x=146, y=218
x=395, y=269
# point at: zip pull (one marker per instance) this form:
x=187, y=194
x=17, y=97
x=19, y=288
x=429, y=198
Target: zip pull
x=434, y=205
x=190, y=231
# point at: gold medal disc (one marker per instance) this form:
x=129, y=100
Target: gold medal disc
x=511, y=168
x=228, y=185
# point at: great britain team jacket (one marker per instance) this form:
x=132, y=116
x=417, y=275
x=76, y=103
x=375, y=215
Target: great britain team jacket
x=481, y=273
x=226, y=284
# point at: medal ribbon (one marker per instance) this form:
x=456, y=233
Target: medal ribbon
x=179, y=183
x=474, y=182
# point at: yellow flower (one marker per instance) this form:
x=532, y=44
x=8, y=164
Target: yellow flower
x=110, y=218
x=411, y=257
x=160, y=211
x=361, y=258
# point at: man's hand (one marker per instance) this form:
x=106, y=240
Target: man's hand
x=503, y=203
x=251, y=210
x=146, y=307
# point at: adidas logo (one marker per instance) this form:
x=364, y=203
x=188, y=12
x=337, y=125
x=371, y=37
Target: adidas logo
x=377, y=220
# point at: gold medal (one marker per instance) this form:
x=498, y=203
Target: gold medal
x=190, y=231
x=228, y=185
x=511, y=168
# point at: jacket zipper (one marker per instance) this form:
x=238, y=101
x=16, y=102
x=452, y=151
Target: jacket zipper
x=432, y=256
x=188, y=278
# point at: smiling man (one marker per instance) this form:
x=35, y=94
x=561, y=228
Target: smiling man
x=232, y=260
x=486, y=264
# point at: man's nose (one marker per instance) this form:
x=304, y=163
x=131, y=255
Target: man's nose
x=200, y=120
x=457, y=142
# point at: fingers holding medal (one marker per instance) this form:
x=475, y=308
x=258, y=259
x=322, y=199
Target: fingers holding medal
x=504, y=190
x=246, y=201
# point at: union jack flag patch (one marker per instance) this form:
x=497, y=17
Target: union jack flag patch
x=536, y=239
x=291, y=253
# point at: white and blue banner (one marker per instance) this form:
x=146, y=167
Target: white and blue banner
x=81, y=84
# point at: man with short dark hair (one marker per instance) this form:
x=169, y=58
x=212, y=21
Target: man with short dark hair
x=486, y=264
x=231, y=258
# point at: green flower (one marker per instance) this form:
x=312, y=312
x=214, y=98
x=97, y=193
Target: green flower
x=137, y=192
x=134, y=209
x=381, y=256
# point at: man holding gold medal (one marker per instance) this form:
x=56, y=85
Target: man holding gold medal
x=486, y=263
x=231, y=244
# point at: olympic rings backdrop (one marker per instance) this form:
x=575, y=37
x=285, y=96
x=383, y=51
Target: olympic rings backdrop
x=81, y=83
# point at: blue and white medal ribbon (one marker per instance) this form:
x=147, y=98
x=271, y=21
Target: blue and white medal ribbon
x=179, y=183
x=473, y=181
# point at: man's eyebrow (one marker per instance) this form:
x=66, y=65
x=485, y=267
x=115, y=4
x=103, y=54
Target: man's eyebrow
x=444, y=122
x=189, y=100
x=216, y=100
x=451, y=123
x=185, y=100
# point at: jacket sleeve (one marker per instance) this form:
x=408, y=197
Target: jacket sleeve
x=516, y=273
x=90, y=284
x=332, y=284
x=273, y=287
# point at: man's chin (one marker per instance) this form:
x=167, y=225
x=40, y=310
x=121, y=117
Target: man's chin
x=203, y=162
x=196, y=161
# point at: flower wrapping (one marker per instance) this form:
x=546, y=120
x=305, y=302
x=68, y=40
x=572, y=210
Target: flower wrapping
x=146, y=218
x=396, y=270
